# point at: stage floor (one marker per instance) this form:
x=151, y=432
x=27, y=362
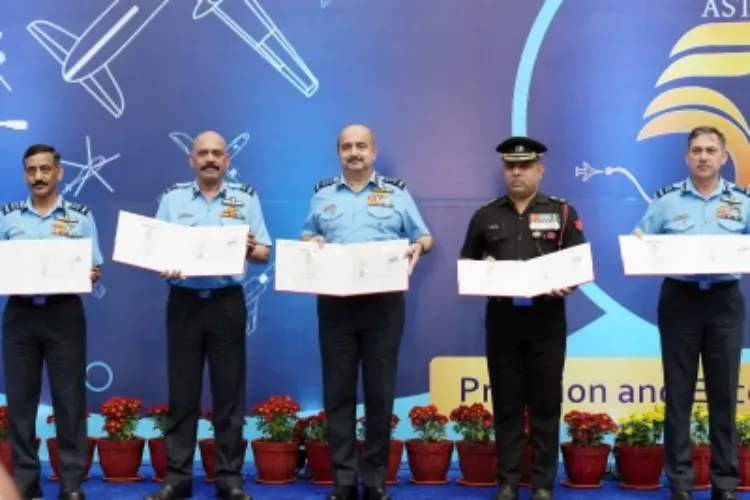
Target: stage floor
x=97, y=489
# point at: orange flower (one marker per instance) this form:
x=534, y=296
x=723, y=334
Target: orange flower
x=121, y=416
x=587, y=429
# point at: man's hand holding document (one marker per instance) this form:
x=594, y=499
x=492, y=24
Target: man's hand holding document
x=680, y=255
x=557, y=271
x=45, y=267
x=197, y=251
x=320, y=268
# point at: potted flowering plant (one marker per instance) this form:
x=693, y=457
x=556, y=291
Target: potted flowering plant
x=276, y=451
x=54, y=459
x=476, y=449
x=639, y=454
x=121, y=452
x=743, y=437
x=701, y=448
x=313, y=435
x=395, y=451
x=207, y=447
x=430, y=452
x=585, y=456
x=156, y=448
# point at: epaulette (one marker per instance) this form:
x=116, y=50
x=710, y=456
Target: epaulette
x=492, y=202
x=325, y=183
x=393, y=181
x=13, y=206
x=561, y=201
x=745, y=190
x=244, y=188
x=666, y=190
x=178, y=185
x=81, y=209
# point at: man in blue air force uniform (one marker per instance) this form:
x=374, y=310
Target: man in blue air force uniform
x=206, y=317
x=47, y=329
x=701, y=317
x=361, y=206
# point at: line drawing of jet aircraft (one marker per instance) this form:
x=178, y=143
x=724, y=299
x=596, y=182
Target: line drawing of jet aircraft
x=88, y=170
x=4, y=58
x=15, y=124
x=85, y=59
x=263, y=36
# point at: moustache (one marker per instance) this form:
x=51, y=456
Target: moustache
x=211, y=166
x=39, y=183
x=352, y=159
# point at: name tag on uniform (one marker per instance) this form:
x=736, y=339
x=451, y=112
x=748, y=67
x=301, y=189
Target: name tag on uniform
x=544, y=222
x=522, y=301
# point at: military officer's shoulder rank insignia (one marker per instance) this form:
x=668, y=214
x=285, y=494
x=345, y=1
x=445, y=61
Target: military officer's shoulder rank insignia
x=561, y=201
x=81, y=209
x=493, y=202
x=394, y=181
x=244, y=188
x=13, y=206
x=175, y=186
x=325, y=183
x=666, y=190
x=738, y=189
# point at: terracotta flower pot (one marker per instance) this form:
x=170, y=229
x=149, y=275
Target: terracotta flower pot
x=526, y=459
x=394, y=459
x=54, y=460
x=429, y=462
x=478, y=464
x=207, y=448
x=584, y=466
x=640, y=467
x=6, y=456
x=701, y=467
x=157, y=450
x=319, y=462
x=120, y=460
x=275, y=462
x=744, y=460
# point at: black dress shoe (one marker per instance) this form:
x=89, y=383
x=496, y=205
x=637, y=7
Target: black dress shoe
x=376, y=494
x=170, y=492
x=542, y=494
x=234, y=493
x=723, y=495
x=69, y=493
x=344, y=493
x=507, y=493
x=680, y=495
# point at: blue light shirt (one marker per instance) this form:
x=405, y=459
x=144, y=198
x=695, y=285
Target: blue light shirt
x=384, y=210
x=20, y=221
x=680, y=209
x=235, y=203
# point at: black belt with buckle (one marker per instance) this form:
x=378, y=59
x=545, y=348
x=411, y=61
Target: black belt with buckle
x=41, y=300
x=205, y=294
x=702, y=285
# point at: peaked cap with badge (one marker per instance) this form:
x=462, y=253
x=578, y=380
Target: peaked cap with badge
x=521, y=150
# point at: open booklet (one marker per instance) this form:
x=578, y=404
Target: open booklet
x=341, y=270
x=676, y=255
x=195, y=251
x=510, y=278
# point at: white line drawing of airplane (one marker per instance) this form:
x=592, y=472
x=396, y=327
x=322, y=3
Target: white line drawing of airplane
x=85, y=59
x=264, y=37
x=586, y=172
x=185, y=143
x=254, y=286
x=15, y=124
x=4, y=58
x=325, y=3
x=88, y=170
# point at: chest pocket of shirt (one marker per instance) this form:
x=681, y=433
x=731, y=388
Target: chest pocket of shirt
x=384, y=218
x=732, y=226
x=328, y=220
x=494, y=239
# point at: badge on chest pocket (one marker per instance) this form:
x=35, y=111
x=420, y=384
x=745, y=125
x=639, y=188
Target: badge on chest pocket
x=539, y=223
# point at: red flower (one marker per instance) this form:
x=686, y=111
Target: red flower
x=121, y=417
x=159, y=415
x=428, y=423
x=361, y=429
x=276, y=418
x=474, y=423
x=587, y=429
